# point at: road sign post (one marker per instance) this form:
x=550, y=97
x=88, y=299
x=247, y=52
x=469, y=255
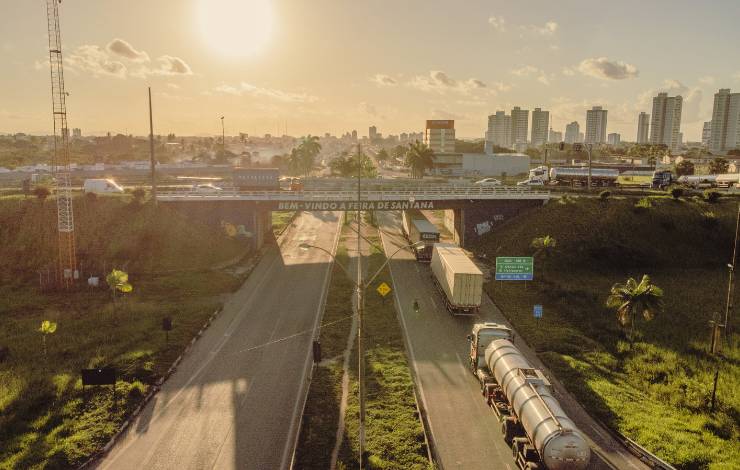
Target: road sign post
x=514, y=268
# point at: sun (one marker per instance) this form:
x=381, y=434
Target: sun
x=236, y=28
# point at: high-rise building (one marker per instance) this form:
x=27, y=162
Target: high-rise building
x=665, y=124
x=614, y=139
x=77, y=133
x=354, y=135
x=519, y=125
x=499, y=131
x=725, y=133
x=572, y=133
x=540, y=126
x=596, y=125
x=643, y=128
x=706, y=134
x=372, y=133
x=440, y=135
x=581, y=137
x=555, y=136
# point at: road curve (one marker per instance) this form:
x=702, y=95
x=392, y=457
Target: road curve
x=236, y=398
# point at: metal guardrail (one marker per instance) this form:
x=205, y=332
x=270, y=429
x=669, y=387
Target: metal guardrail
x=418, y=193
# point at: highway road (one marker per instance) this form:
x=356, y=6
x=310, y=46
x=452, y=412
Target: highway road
x=464, y=431
x=236, y=399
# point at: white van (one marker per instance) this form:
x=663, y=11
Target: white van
x=101, y=186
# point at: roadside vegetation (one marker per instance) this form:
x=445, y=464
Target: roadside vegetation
x=394, y=434
x=280, y=220
x=644, y=369
x=165, y=268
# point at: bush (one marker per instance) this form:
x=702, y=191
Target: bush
x=41, y=192
x=711, y=195
x=139, y=194
x=604, y=195
x=643, y=204
x=676, y=193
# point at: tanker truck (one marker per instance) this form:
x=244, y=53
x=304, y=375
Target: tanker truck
x=540, y=433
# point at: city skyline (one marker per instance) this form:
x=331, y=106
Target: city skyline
x=298, y=70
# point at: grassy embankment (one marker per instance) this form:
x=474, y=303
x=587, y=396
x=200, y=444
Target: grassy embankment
x=46, y=419
x=657, y=391
x=280, y=220
x=394, y=436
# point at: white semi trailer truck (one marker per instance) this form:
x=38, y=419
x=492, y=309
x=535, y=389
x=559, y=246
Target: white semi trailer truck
x=540, y=433
x=457, y=278
x=417, y=228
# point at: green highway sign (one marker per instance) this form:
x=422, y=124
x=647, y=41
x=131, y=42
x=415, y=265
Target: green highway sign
x=514, y=268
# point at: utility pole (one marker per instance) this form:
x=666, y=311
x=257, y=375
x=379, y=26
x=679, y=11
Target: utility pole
x=152, y=163
x=731, y=282
x=223, y=136
x=360, y=308
x=589, y=147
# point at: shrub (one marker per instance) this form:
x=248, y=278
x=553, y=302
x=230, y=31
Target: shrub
x=41, y=192
x=708, y=220
x=711, y=195
x=138, y=194
x=604, y=195
x=643, y=204
x=676, y=193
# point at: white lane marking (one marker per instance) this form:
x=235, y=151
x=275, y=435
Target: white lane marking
x=233, y=325
x=292, y=436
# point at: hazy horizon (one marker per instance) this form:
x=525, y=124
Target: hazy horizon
x=337, y=66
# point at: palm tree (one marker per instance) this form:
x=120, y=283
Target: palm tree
x=544, y=248
x=47, y=328
x=632, y=300
x=309, y=149
x=295, y=161
x=419, y=157
x=118, y=282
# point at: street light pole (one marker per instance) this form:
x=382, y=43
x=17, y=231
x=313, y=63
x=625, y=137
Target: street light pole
x=589, y=147
x=360, y=308
x=223, y=136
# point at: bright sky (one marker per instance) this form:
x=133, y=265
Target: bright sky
x=337, y=65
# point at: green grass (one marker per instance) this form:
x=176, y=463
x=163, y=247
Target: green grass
x=46, y=419
x=394, y=435
x=658, y=390
x=280, y=220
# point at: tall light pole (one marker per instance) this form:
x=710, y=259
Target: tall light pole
x=152, y=163
x=589, y=147
x=360, y=308
x=223, y=136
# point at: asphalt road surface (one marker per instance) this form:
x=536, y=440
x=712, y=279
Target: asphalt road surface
x=465, y=431
x=236, y=399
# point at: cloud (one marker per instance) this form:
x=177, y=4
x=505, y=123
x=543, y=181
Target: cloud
x=122, y=48
x=169, y=65
x=568, y=71
x=445, y=114
x=532, y=71
x=439, y=82
x=498, y=23
x=384, y=80
x=174, y=86
x=548, y=29
x=245, y=88
x=707, y=80
x=95, y=61
x=606, y=69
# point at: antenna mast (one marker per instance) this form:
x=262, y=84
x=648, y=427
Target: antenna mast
x=60, y=164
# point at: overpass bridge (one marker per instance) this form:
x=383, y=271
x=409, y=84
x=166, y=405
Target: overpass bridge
x=470, y=211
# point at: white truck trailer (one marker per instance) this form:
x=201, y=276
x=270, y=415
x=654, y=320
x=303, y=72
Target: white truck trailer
x=457, y=278
x=417, y=228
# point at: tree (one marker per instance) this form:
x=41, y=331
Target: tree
x=718, y=165
x=686, y=167
x=118, y=282
x=399, y=152
x=308, y=149
x=47, y=328
x=633, y=299
x=295, y=162
x=419, y=157
x=544, y=248
x=41, y=192
x=382, y=155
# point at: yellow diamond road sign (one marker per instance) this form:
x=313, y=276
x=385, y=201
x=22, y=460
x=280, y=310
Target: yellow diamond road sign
x=383, y=289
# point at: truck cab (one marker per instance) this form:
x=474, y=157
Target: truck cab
x=662, y=179
x=480, y=338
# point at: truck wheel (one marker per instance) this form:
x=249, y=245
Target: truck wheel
x=532, y=466
x=507, y=429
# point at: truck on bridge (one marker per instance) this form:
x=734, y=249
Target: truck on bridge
x=417, y=228
x=457, y=278
x=540, y=433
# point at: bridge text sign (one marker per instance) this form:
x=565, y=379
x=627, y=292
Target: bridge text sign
x=514, y=268
x=353, y=205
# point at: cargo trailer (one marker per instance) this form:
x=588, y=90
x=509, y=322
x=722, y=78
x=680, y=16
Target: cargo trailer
x=417, y=228
x=457, y=278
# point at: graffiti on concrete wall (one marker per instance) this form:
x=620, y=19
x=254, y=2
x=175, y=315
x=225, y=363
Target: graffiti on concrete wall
x=486, y=226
